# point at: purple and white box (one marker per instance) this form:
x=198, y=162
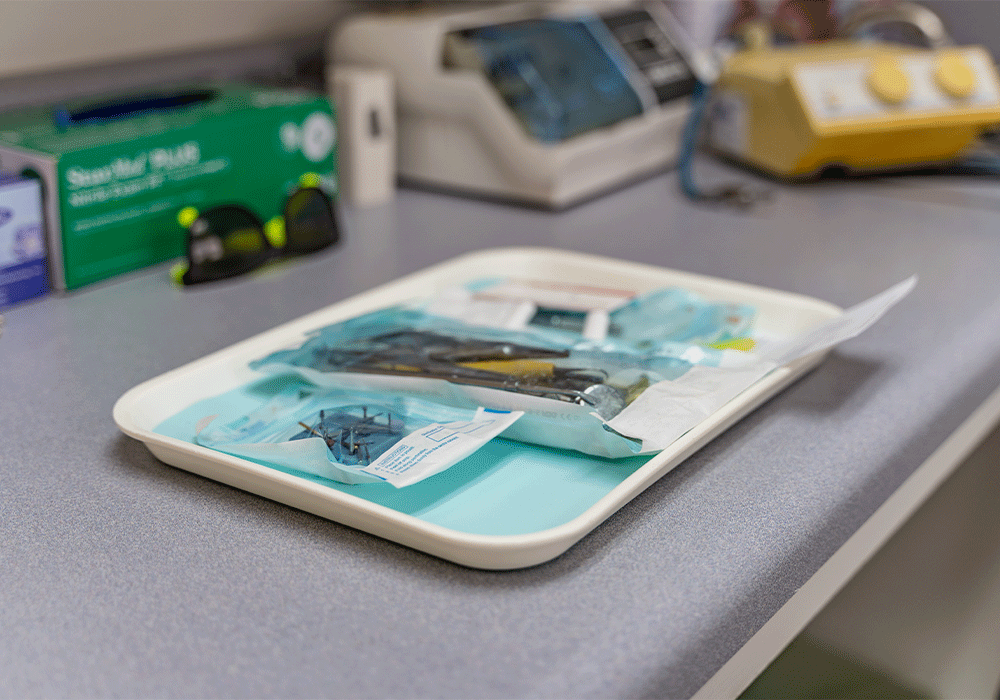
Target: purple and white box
x=24, y=270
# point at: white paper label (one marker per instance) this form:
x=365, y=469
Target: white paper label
x=849, y=324
x=432, y=449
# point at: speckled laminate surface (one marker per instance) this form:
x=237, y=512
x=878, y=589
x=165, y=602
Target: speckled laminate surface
x=123, y=577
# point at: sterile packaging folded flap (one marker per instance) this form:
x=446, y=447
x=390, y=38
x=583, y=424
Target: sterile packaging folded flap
x=668, y=409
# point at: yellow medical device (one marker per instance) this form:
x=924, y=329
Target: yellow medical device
x=792, y=111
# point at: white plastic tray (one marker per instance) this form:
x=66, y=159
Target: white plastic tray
x=441, y=519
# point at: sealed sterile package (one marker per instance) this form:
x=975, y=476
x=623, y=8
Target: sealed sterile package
x=567, y=385
x=391, y=347
x=355, y=437
x=663, y=362
x=568, y=382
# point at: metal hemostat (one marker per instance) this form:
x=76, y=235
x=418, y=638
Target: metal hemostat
x=354, y=439
x=493, y=364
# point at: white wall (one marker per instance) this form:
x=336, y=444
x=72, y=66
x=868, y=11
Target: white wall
x=971, y=21
x=49, y=35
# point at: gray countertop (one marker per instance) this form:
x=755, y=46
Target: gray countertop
x=123, y=577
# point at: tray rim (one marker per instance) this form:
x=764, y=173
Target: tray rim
x=474, y=550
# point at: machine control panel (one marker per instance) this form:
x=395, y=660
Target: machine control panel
x=653, y=53
x=949, y=83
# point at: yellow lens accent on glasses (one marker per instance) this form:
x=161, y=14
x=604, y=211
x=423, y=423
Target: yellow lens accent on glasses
x=186, y=216
x=244, y=241
x=274, y=229
x=309, y=180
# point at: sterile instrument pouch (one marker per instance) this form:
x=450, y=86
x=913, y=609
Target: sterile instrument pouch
x=355, y=437
x=569, y=386
x=667, y=361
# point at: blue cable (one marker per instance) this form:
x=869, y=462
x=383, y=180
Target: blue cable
x=734, y=195
x=978, y=164
x=689, y=142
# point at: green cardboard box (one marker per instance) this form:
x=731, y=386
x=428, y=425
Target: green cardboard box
x=116, y=170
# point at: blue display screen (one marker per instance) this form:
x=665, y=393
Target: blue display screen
x=556, y=76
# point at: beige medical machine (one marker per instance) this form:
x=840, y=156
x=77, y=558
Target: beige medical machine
x=542, y=103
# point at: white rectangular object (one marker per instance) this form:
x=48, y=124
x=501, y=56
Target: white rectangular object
x=366, y=122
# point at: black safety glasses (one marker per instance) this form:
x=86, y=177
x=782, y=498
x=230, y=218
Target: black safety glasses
x=231, y=240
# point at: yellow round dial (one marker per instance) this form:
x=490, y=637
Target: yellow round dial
x=888, y=81
x=954, y=76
